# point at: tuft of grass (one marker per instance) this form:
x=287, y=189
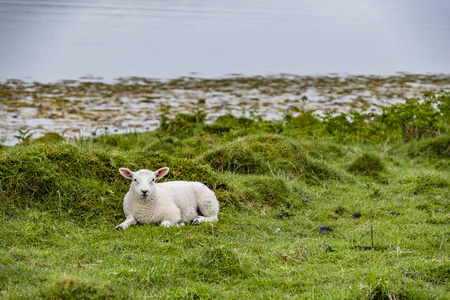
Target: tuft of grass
x=218, y=262
x=367, y=164
x=437, y=272
x=266, y=190
x=427, y=182
x=436, y=147
x=71, y=287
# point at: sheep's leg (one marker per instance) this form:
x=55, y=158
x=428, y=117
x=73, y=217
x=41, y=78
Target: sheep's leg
x=202, y=219
x=208, y=207
x=173, y=216
x=130, y=220
x=166, y=223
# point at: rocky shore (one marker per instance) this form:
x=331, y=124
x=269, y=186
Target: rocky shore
x=89, y=106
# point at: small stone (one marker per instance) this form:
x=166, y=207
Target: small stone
x=394, y=213
x=356, y=215
x=324, y=229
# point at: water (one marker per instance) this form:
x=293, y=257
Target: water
x=51, y=40
x=44, y=40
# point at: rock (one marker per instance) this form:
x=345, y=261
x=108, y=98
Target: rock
x=324, y=229
x=356, y=215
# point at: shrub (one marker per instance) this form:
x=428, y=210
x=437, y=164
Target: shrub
x=183, y=124
x=413, y=119
x=228, y=122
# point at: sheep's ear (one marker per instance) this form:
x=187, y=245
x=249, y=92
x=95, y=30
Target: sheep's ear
x=161, y=172
x=126, y=173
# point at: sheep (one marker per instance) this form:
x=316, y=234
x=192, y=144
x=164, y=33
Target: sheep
x=172, y=203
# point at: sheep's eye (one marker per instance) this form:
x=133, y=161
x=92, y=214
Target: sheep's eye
x=153, y=180
x=135, y=180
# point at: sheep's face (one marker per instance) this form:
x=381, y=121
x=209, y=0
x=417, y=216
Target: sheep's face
x=143, y=181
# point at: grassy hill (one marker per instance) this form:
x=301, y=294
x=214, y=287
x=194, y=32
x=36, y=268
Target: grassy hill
x=380, y=182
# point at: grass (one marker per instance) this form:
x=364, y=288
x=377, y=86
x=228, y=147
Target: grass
x=277, y=182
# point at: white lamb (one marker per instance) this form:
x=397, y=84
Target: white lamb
x=169, y=203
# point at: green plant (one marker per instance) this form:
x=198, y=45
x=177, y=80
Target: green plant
x=415, y=118
x=24, y=136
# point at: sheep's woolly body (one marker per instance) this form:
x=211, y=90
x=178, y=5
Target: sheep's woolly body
x=169, y=203
x=175, y=201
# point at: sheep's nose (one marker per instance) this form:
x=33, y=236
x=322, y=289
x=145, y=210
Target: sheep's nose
x=144, y=192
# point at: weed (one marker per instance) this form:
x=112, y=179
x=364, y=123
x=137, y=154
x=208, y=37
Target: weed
x=24, y=136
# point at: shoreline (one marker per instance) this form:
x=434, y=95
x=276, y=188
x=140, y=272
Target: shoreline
x=83, y=108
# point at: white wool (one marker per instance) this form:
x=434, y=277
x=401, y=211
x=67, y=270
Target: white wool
x=169, y=203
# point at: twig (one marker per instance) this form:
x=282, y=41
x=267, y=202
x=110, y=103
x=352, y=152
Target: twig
x=371, y=227
x=59, y=197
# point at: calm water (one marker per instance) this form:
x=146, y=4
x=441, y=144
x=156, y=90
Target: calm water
x=47, y=40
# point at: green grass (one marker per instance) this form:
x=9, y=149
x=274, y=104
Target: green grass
x=277, y=183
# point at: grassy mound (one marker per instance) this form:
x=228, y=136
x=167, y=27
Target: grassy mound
x=268, y=154
x=426, y=182
x=272, y=191
x=436, y=147
x=84, y=181
x=367, y=164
